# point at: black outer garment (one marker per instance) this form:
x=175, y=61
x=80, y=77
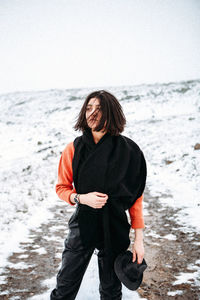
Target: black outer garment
x=115, y=166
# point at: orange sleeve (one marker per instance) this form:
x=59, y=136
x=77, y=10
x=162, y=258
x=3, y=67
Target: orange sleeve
x=64, y=187
x=136, y=214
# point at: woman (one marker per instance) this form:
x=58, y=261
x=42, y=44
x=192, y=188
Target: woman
x=109, y=175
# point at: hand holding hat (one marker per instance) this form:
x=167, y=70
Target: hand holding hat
x=129, y=273
x=138, y=251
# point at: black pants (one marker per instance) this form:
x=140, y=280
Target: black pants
x=75, y=260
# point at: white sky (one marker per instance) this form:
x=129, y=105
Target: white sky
x=89, y=43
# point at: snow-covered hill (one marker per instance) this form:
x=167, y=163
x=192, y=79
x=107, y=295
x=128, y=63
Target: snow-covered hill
x=163, y=119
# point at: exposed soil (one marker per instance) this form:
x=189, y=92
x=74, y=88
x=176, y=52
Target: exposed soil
x=165, y=258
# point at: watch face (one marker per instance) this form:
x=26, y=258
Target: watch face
x=75, y=199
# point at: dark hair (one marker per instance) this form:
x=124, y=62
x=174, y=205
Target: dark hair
x=111, y=112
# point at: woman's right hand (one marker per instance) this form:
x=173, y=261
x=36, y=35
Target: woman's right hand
x=94, y=199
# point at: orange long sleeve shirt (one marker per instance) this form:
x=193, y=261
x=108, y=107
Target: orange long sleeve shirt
x=64, y=187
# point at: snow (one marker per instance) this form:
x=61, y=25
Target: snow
x=190, y=277
x=2, y=279
x=185, y=277
x=170, y=236
x=174, y=293
x=23, y=256
x=20, y=265
x=19, y=231
x=41, y=251
x=163, y=119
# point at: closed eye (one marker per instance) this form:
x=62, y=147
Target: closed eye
x=90, y=108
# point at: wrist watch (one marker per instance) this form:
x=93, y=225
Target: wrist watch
x=77, y=198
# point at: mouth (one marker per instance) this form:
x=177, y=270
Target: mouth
x=93, y=120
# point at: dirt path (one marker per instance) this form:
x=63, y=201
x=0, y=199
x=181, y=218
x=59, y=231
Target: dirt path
x=165, y=258
x=23, y=283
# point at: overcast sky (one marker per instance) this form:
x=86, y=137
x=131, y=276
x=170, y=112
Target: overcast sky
x=90, y=43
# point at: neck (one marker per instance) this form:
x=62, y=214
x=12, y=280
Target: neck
x=97, y=135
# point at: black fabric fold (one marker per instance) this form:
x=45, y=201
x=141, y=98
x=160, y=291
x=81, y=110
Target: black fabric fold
x=115, y=166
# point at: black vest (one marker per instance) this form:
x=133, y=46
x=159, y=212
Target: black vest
x=115, y=166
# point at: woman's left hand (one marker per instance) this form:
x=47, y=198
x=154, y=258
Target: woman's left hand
x=138, y=248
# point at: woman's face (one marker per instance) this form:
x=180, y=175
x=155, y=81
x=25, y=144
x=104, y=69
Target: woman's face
x=93, y=112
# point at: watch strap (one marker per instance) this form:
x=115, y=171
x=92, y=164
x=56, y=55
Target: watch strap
x=77, y=199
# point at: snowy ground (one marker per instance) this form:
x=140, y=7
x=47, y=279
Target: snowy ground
x=164, y=120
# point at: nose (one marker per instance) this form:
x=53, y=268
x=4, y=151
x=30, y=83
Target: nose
x=94, y=112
